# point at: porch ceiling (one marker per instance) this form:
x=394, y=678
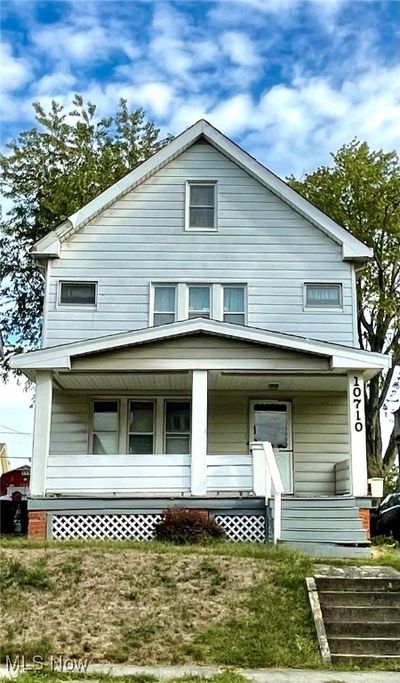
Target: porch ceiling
x=182, y=381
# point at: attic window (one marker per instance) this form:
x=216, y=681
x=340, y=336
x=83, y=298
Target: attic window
x=78, y=293
x=201, y=202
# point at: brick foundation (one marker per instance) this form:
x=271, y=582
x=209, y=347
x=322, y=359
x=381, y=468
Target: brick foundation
x=37, y=524
x=365, y=516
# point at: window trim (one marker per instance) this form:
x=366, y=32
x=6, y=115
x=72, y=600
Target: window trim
x=79, y=281
x=324, y=307
x=152, y=301
x=245, y=302
x=207, y=182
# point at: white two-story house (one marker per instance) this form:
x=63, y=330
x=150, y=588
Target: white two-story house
x=200, y=350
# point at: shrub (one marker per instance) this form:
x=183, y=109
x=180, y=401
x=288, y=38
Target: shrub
x=181, y=526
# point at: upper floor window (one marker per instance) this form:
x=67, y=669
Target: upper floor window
x=201, y=202
x=180, y=301
x=199, y=302
x=78, y=293
x=164, y=304
x=234, y=305
x=323, y=295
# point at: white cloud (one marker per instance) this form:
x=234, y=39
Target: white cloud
x=15, y=71
x=239, y=48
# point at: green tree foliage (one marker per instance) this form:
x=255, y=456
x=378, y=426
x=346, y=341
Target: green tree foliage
x=361, y=191
x=49, y=172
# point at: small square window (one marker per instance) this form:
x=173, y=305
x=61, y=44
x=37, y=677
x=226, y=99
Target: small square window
x=78, y=293
x=324, y=295
x=164, y=304
x=201, y=206
x=234, y=305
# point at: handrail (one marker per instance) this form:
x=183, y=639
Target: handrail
x=267, y=480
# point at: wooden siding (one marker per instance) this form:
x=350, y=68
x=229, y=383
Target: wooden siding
x=320, y=440
x=200, y=347
x=260, y=241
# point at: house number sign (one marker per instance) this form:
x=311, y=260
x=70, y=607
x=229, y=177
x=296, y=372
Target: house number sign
x=357, y=400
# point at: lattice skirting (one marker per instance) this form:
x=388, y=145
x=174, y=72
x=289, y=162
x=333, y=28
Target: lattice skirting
x=141, y=526
x=243, y=527
x=135, y=526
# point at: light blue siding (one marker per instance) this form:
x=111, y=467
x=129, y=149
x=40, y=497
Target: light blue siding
x=141, y=238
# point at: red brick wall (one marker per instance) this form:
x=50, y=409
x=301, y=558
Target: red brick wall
x=37, y=524
x=365, y=517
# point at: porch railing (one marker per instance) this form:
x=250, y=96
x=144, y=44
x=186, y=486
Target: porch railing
x=267, y=480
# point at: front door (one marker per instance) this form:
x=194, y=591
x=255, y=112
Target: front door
x=271, y=421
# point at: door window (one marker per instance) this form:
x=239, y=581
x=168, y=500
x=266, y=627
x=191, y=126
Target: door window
x=271, y=423
x=141, y=427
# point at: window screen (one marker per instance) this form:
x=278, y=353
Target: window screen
x=141, y=427
x=202, y=206
x=105, y=427
x=199, y=302
x=164, y=304
x=177, y=427
x=234, y=305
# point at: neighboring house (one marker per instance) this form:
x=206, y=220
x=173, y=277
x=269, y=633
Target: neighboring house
x=196, y=312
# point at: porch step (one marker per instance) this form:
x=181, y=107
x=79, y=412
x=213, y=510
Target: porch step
x=328, y=526
x=361, y=611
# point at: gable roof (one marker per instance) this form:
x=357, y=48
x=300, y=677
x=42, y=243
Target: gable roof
x=341, y=357
x=352, y=248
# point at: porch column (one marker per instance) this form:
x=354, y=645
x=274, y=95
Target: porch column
x=41, y=432
x=357, y=436
x=199, y=433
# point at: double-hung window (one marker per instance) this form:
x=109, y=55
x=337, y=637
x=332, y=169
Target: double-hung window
x=234, y=304
x=199, y=301
x=105, y=427
x=141, y=427
x=164, y=304
x=177, y=427
x=201, y=205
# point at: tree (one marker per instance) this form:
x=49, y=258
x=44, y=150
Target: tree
x=361, y=192
x=51, y=171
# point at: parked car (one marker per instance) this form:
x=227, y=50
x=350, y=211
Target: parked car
x=387, y=520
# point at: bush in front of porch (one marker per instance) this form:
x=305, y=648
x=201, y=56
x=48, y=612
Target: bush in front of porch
x=182, y=526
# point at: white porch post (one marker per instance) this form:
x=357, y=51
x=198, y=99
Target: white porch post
x=41, y=432
x=199, y=433
x=357, y=436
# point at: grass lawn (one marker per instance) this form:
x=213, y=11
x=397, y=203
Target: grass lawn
x=240, y=605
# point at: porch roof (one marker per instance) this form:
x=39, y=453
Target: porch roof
x=341, y=358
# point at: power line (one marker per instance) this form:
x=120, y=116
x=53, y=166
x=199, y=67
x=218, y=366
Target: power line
x=11, y=430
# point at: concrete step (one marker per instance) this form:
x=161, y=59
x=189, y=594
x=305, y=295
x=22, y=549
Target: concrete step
x=321, y=535
x=364, y=646
x=360, y=629
x=363, y=585
x=364, y=660
x=362, y=614
x=323, y=549
x=358, y=599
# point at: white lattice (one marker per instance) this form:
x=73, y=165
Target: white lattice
x=243, y=527
x=118, y=526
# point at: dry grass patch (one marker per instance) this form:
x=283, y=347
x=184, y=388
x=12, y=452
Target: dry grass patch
x=128, y=606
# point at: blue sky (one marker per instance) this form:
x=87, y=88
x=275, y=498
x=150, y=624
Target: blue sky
x=290, y=80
